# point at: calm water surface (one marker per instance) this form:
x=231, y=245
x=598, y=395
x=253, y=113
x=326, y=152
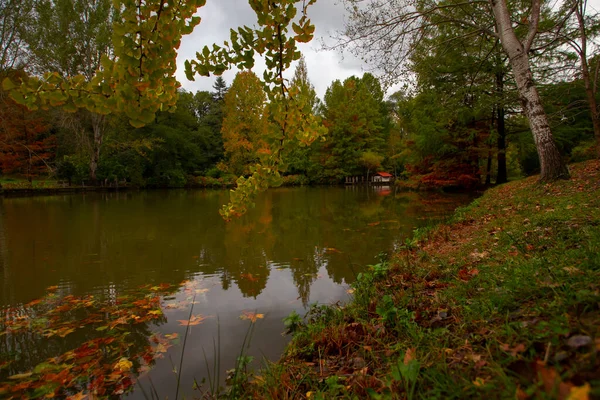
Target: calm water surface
x=297, y=247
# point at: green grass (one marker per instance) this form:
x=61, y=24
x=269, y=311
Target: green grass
x=20, y=183
x=490, y=305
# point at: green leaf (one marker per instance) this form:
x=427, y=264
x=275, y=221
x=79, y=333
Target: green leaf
x=7, y=84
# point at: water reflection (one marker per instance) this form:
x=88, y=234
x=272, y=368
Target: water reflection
x=298, y=246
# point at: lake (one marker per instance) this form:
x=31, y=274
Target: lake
x=93, y=282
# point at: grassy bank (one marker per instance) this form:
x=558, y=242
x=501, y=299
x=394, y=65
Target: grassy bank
x=501, y=302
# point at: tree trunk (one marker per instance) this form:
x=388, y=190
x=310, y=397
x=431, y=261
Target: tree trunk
x=590, y=88
x=98, y=130
x=502, y=175
x=552, y=164
x=488, y=176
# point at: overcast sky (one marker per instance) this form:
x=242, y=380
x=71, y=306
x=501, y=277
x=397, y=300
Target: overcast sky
x=218, y=16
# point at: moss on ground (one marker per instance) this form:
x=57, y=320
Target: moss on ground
x=501, y=302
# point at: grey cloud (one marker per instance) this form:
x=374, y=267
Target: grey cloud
x=219, y=16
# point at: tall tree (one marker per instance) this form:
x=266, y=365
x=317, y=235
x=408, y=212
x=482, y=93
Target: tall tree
x=385, y=31
x=71, y=37
x=298, y=158
x=353, y=113
x=15, y=20
x=245, y=123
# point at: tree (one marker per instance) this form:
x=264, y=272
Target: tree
x=70, y=37
x=585, y=27
x=370, y=161
x=298, y=159
x=387, y=31
x=139, y=80
x=353, y=113
x=245, y=123
x=15, y=19
x=220, y=87
x=26, y=143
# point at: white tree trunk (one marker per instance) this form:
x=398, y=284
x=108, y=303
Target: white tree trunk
x=552, y=164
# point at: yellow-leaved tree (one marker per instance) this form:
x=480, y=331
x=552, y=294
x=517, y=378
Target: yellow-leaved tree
x=245, y=123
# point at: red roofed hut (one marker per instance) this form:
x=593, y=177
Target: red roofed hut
x=382, y=177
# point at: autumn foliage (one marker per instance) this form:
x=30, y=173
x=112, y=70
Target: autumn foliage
x=26, y=143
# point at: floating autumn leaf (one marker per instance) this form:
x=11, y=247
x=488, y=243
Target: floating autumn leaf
x=20, y=376
x=350, y=291
x=200, y=291
x=123, y=365
x=332, y=250
x=194, y=320
x=251, y=316
x=78, y=396
x=374, y=223
x=51, y=288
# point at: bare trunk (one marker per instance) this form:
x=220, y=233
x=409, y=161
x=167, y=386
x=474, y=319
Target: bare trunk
x=552, y=164
x=98, y=130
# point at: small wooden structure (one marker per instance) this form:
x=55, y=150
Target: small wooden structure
x=377, y=178
x=382, y=177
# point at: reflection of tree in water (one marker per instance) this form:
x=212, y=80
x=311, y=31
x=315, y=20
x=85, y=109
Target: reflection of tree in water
x=63, y=345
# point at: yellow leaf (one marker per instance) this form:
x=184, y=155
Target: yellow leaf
x=479, y=382
x=350, y=291
x=580, y=392
x=251, y=316
x=123, y=365
x=21, y=376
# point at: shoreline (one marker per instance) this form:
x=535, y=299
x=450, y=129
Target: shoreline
x=503, y=301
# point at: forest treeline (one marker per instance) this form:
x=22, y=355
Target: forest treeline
x=460, y=123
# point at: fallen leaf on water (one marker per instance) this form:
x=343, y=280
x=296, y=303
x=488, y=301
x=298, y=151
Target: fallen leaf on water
x=21, y=376
x=200, y=291
x=78, y=396
x=172, y=336
x=51, y=288
x=123, y=365
x=350, y=291
x=374, y=223
x=194, y=320
x=332, y=250
x=251, y=316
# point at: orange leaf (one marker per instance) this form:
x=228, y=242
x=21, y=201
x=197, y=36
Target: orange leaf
x=251, y=316
x=194, y=320
x=411, y=354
